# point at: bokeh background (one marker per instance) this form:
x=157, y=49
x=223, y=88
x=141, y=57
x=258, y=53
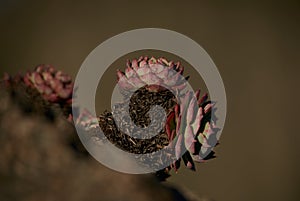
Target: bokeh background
x=255, y=45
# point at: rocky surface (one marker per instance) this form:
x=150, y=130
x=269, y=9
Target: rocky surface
x=42, y=159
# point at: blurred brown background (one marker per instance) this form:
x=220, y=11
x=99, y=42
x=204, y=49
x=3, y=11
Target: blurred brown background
x=254, y=44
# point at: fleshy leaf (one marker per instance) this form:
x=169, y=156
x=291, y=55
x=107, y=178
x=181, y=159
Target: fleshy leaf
x=178, y=146
x=188, y=161
x=188, y=137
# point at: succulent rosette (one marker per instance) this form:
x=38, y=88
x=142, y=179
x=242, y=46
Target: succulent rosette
x=45, y=86
x=54, y=85
x=192, y=130
x=190, y=126
x=155, y=74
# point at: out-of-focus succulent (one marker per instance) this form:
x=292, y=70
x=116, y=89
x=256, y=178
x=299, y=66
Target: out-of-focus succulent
x=53, y=86
x=148, y=72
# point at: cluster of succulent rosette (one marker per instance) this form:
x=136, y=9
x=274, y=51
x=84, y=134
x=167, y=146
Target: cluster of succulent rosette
x=190, y=125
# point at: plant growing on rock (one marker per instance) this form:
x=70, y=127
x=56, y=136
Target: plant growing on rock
x=190, y=122
x=45, y=87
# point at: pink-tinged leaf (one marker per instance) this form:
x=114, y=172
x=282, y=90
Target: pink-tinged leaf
x=134, y=64
x=141, y=58
x=212, y=131
x=43, y=89
x=205, y=143
x=177, y=111
x=60, y=76
x=144, y=70
x=120, y=75
x=179, y=146
x=197, y=122
x=172, y=135
x=164, y=61
x=172, y=140
x=128, y=63
x=146, y=58
x=180, y=86
x=51, y=69
x=151, y=78
x=154, y=88
x=56, y=85
x=168, y=129
x=143, y=63
x=39, y=68
x=159, y=61
x=171, y=121
x=180, y=70
x=188, y=137
x=202, y=137
x=207, y=108
x=177, y=66
x=157, y=68
x=207, y=129
x=198, y=158
x=136, y=82
x=178, y=125
x=188, y=161
x=65, y=93
x=189, y=165
x=173, y=80
x=70, y=118
x=47, y=76
x=197, y=94
x=152, y=60
x=163, y=74
x=51, y=98
x=48, y=90
x=36, y=78
x=171, y=64
x=124, y=84
x=192, y=148
x=203, y=99
x=175, y=165
x=27, y=80
x=191, y=111
x=184, y=107
x=184, y=101
x=129, y=72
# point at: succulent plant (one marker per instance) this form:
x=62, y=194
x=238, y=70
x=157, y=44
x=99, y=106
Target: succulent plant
x=148, y=72
x=190, y=125
x=54, y=86
x=192, y=129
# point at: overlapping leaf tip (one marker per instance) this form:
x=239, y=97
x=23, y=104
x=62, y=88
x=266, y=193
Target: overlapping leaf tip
x=155, y=74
